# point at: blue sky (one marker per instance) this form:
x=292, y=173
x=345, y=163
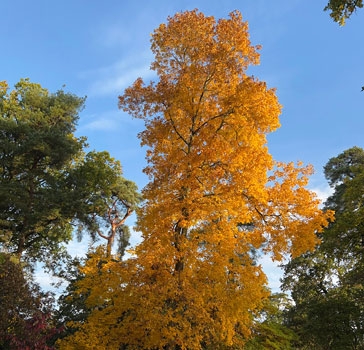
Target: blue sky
x=99, y=48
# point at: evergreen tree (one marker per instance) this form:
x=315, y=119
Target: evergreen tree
x=327, y=285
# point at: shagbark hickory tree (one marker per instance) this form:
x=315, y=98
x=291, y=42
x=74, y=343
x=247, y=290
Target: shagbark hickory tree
x=215, y=193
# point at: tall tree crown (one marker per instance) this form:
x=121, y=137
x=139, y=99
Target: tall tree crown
x=38, y=148
x=214, y=198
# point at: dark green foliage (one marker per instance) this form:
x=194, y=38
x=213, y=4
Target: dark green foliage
x=345, y=237
x=71, y=304
x=270, y=332
x=327, y=285
x=341, y=10
x=37, y=150
x=271, y=335
x=108, y=200
x=328, y=321
x=48, y=185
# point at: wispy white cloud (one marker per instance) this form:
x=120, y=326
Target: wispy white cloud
x=113, y=79
x=118, y=80
x=126, y=32
x=102, y=124
x=109, y=121
x=105, y=121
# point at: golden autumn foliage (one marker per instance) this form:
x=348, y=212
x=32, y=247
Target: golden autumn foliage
x=100, y=281
x=215, y=196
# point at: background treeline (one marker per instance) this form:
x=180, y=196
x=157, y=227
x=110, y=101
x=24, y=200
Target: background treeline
x=51, y=187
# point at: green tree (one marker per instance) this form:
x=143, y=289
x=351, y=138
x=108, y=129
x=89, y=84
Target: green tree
x=38, y=149
x=341, y=10
x=270, y=331
x=327, y=285
x=108, y=200
x=48, y=184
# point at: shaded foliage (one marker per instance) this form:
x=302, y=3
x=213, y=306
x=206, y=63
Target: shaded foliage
x=25, y=312
x=108, y=199
x=327, y=285
x=270, y=331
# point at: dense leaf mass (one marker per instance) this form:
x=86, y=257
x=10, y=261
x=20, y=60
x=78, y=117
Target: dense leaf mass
x=48, y=184
x=25, y=312
x=327, y=284
x=37, y=151
x=215, y=197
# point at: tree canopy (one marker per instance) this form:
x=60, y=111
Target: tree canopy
x=216, y=201
x=327, y=284
x=214, y=198
x=107, y=199
x=38, y=148
x=48, y=184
